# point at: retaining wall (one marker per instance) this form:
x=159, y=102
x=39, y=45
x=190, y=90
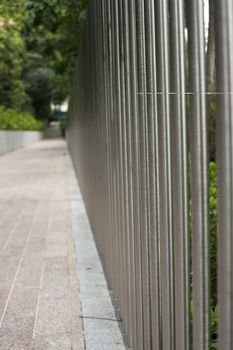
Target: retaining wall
x=11, y=140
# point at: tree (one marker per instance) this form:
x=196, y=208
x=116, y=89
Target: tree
x=39, y=40
x=12, y=54
x=52, y=34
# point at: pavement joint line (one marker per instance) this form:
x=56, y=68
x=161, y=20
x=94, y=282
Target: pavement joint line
x=4, y=216
x=18, y=268
x=38, y=300
x=42, y=275
x=12, y=231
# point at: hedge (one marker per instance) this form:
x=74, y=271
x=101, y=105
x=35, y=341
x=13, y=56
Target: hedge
x=13, y=120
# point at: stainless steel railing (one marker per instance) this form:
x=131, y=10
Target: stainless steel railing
x=138, y=136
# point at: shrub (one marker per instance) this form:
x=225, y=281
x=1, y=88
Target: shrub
x=213, y=252
x=12, y=120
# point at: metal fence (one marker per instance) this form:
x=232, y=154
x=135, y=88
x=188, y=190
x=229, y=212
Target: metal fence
x=138, y=136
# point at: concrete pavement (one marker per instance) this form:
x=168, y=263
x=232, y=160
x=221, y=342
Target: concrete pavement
x=39, y=299
x=53, y=293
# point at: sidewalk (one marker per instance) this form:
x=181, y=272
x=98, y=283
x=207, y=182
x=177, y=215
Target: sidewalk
x=39, y=291
x=39, y=304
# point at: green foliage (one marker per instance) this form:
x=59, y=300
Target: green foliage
x=213, y=231
x=12, y=120
x=52, y=34
x=213, y=252
x=38, y=36
x=212, y=129
x=12, y=54
x=13, y=13
x=214, y=325
x=39, y=88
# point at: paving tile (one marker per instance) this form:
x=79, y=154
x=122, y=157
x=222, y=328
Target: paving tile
x=4, y=292
x=16, y=333
x=54, y=317
x=56, y=249
x=55, y=285
x=22, y=304
x=60, y=342
x=8, y=267
x=29, y=274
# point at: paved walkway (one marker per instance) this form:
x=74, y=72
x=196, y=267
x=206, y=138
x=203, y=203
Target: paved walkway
x=39, y=299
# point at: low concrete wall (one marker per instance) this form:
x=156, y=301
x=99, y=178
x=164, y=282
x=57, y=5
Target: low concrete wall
x=12, y=140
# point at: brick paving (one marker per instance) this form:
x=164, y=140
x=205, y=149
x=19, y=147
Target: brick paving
x=39, y=292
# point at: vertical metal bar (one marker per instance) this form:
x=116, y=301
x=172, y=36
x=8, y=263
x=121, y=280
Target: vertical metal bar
x=107, y=114
x=200, y=227
x=131, y=296
x=180, y=175
x=166, y=190
x=118, y=117
x=116, y=155
x=113, y=152
x=109, y=76
x=103, y=188
x=136, y=171
x=126, y=312
x=143, y=158
x=153, y=179
x=224, y=34
x=120, y=120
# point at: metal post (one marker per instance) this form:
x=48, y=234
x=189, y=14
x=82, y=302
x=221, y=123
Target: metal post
x=199, y=160
x=180, y=175
x=224, y=33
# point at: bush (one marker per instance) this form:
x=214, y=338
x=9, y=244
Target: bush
x=213, y=252
x=12, y=120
